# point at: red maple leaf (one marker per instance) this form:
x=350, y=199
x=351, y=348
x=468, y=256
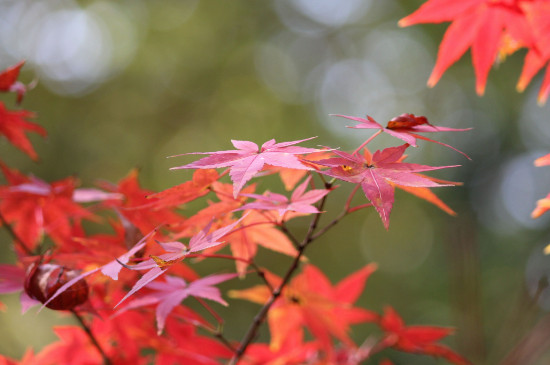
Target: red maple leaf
x=293, y=351
x=310, y=300
x=37, y=207
x=486, y=26
x=13, y=126
x=377, y=175
x=183, y=345
x=538, y=15
x=417, y=339
x=74, y=347
x=9, y=83
x=187, y=191
x=140, y=206
x=248, y=159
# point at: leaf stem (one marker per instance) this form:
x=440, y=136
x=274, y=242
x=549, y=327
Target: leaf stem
x=367, y=141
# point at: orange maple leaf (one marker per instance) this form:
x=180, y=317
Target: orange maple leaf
x=311, y=301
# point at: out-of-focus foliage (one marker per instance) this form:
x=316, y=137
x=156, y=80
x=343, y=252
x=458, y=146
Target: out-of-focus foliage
x=124, y=84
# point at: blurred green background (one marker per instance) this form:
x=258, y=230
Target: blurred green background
x=126, y=83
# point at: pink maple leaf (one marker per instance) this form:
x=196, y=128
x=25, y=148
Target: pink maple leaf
x=300, y=201
x=174, y=290
x=176, y=251
x=377, y=173
x=248, y=159
x=405, y=127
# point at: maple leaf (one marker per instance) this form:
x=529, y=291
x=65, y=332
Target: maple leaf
x=310, y=300
x=74, y=347
x=377, y=173
x=300, y=201
x=176, y=251
x=248, y=159
x=37, y=207
x=9, y=83
x=538, y=15
x=28, y=359
x=140, y=206
x=293, y=351
x=183, y=345
x=405, y=127
x=174, y=290
x=187, y=191
x=13, y=125
x=244, y=242
x=482, y=25
x=543, y=205
x=429, y=196
x=417, y=339
x=291, y=177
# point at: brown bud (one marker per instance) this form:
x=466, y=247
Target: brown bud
x=43, y=280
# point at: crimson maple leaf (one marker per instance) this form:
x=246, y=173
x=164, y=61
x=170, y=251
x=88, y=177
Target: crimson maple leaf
x=486, y=26
x=378, y=173
x=248, y=159
x=9, y=83
x=300, y=201
x=310, y=300
x=13, y=125
x=417, y=339
x=174, y=290
x=405, y=127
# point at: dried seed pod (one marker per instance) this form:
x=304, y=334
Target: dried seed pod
x=43, y=280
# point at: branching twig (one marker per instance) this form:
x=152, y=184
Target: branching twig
x=260, y=316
